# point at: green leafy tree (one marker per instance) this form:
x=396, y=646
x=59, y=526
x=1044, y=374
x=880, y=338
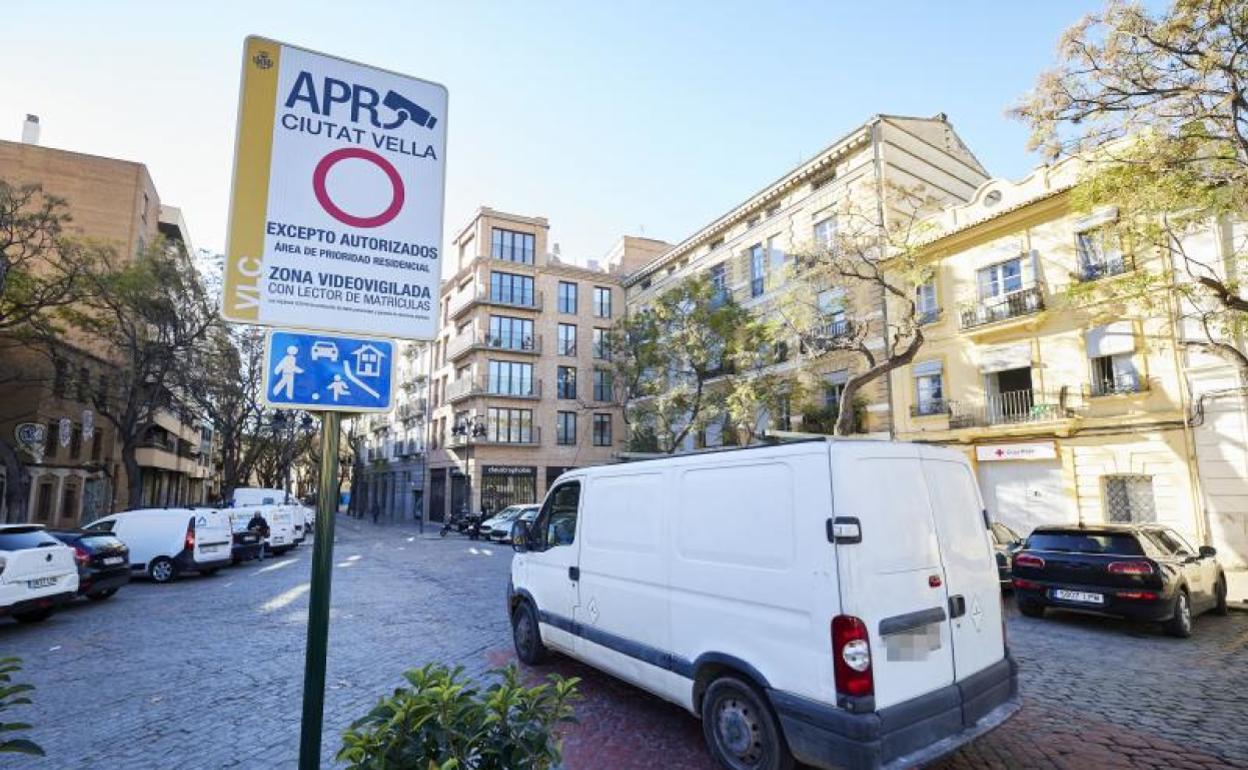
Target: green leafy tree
x=674, y=362
x=11, y=696
x=1159, y=100
x=441, y=721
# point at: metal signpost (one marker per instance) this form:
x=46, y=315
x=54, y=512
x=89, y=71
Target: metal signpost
x=335, y=225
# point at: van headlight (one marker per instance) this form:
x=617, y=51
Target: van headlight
x=857, y=654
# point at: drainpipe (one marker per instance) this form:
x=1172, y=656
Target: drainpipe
x=881, y=243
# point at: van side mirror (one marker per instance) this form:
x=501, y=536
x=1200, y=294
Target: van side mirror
x=519, y=536
x=1208, y=550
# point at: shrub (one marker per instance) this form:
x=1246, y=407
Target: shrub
x=14, y=695
x=443, y=721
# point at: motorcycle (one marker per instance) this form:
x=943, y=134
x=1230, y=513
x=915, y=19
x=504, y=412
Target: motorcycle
x=467, y=523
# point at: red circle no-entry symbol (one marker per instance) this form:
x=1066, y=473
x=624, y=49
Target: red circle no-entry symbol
x=322, y=195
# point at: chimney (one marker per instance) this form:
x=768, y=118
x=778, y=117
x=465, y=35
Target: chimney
x=30, y=130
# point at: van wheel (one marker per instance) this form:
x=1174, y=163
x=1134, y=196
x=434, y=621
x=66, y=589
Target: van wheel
x=1220, y=606
x=162, y=570
x=740, y=729
x=526, y=635
x=34, y=616
x=1181, y=624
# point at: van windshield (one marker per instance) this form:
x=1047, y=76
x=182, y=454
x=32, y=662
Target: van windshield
x=1119, y=543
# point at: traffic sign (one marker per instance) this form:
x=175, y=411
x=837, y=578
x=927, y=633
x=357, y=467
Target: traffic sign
x=336, y=208
x=328, y=372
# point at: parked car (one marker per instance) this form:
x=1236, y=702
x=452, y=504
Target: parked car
x=37, y=572
x=830, y=602
x=167, y=542
x=1006, y=543
x=103, y=561
x=1137, y=571
x=499, y=527
x=245, y=543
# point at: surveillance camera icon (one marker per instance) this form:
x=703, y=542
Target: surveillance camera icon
x=406, y=109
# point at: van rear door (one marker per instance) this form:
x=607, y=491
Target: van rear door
x=892, y=579
x=970, y=565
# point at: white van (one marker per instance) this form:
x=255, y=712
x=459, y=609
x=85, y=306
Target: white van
x=38, y=573
x=830, y=601
x=165, y=542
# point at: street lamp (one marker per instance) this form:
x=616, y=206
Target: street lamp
x=470, y=428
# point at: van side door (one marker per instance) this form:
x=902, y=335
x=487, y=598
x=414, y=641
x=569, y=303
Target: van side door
x=553, y=564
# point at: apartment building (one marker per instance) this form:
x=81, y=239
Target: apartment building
x=1071, y=407
x=77, y=474
x=520, y=390
x=747, y=251
x=392, y=445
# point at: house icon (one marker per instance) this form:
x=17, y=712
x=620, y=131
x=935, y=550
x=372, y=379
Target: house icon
x=368, y=361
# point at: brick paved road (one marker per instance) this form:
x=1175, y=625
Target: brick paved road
x=206, y=673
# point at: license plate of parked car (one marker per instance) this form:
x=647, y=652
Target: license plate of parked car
x=113, y=560
x=41, y=582
x=209, y=549
x=1079, y=596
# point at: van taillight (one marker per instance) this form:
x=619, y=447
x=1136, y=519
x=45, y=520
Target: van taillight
x=1028, y=560
x=1130, y=568
x=851, y=656
x=190, y=535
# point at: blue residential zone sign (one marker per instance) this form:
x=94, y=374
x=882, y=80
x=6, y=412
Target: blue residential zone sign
x=321, y=372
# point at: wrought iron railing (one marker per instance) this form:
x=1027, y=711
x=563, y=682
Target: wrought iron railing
x=993, y=309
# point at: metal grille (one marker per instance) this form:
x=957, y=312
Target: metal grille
x=1129, y=499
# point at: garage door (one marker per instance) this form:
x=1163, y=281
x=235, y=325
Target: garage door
x=1025, y=495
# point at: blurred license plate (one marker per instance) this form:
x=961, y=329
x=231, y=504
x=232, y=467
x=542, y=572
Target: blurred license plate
x=209, y=549
x=113, y=560
x=41, y=582
x=1079, y=596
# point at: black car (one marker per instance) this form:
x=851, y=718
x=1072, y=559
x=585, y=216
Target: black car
x=103, y=561
x=1005, y=542
x=1136, y=571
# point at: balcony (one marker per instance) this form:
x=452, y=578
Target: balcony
x=514, y=300
x=1017, y=407
x=408, y=448
x=531, y=437
x=470, y=388
x=1120, y=385
x=412, y=410
x=931, y=408
x=1114, y=264
x=527, y=344
x=990, y=310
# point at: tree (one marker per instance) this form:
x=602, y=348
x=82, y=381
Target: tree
x=874, y=258
x=1160, y=102
x=148, y=314
x=673, y=362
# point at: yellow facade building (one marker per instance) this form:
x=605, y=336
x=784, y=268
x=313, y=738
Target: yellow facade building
x=1072, y=407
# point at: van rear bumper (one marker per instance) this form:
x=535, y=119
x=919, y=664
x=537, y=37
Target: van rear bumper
x=907, y=734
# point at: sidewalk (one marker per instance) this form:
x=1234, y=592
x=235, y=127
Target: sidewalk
x=1237, y=589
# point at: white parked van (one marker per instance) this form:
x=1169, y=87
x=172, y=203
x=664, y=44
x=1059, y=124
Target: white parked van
x=830, y=601
x=37, y=572
x=166, y=542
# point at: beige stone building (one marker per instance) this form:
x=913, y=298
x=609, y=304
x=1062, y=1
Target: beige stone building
x=77, y=474
x=748, y=250
x=519, y=388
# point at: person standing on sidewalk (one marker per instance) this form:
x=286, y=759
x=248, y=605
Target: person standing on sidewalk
x=376, y=512
x=258, y=525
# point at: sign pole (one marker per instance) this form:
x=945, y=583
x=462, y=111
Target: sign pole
x=318, y=602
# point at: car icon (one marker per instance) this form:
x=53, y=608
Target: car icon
x=322, y=349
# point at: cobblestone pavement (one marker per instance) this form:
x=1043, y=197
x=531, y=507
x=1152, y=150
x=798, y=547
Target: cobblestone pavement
x=207, y=672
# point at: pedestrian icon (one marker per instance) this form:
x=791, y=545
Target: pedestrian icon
x=319, y=372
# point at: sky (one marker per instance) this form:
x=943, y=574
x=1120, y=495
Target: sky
x=607, y=118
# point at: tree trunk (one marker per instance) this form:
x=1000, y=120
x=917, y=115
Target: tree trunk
x=17, y=486
x=846, y=418
x=134, y=476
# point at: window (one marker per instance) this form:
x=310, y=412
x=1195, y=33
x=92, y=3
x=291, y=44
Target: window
x=783, y=418
x=1129, y=499
x=1001, y=279
x=929, y=388
x=512, y=289
x=49, y=444
x=511, y=333
x=69, y=500
x=60, y=379
x=1100, y=254
x=509, y=426
x=566, y=380
x=84, y=383
x=602, y=385
x=43, y=502
x=567, y=339
x=776, y=255
x=719, y=281
x=602, y=302
x=565, y=428
x=602, y=430
x=833, y=387
x=1171, y=542
x=758, y=270
x=510, y=378
x=567, y=297
x=512, y=246
x=925, y=302
x=557, y=521
x=97, y=444
x=75, y=442
x=602, y=350
x=831, y=304
x=825, y=232
x=1114, y=374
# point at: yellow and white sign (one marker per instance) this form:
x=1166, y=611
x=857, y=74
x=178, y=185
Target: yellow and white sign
x=336, y=209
